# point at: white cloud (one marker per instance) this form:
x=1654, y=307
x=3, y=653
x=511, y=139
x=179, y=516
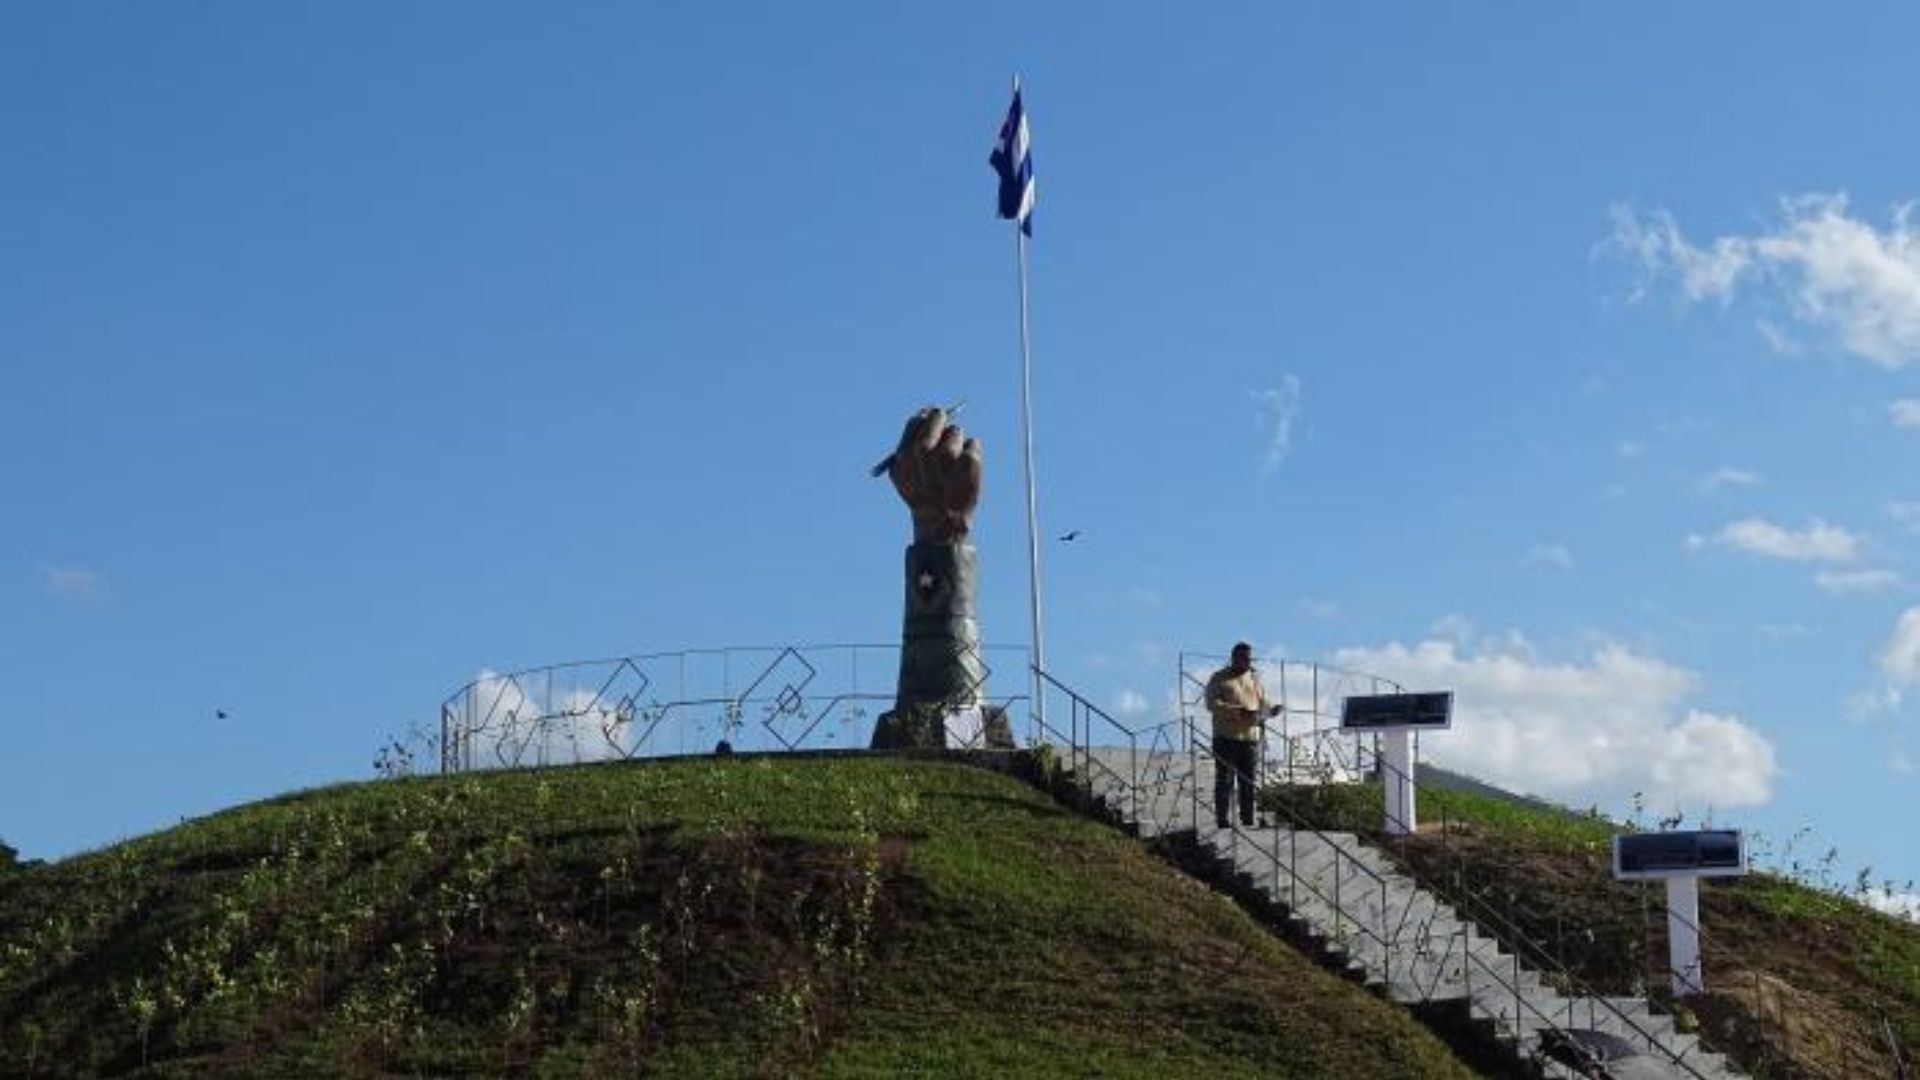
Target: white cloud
x=1853, y=582
x=1726, y=476
x=1783, y=631
x=1130, y=704
x=1905, y=413
x=1777, y=339
x=1906, y=905
x=1907, y=514
x=1847, y=276
x=1654, y=242
x=1818, y=542
x=1716, y=758
x=1319, y=609
x=514, y=726
x=1873, y=703
x=76, y=585
x=1550, y=555
x=1833, y=272
x=1628, y=449
x=1279, y=407
x=1900, y=659
x=1595, y=730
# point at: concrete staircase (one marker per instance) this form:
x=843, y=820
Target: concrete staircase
x=1396, y=937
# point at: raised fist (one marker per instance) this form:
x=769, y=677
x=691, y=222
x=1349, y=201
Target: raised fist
x=936, y=470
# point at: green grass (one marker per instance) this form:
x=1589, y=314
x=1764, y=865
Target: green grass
x=1778, y=951
x=828, y=917
x=1358, y=808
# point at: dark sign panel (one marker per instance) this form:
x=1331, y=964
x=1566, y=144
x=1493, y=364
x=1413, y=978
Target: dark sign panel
x=1387, y=712
x=1709, y=853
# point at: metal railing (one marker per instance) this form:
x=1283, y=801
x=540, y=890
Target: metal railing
x=1767, y=1009
x=1505, y=926
x=818, y=697
x=783, y=697
x=1305, y=742
x=1657, y=971
x=1137, y=766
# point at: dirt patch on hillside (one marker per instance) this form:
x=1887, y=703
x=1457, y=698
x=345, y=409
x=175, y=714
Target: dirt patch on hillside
x=1782, y=1030
x=1812, y=987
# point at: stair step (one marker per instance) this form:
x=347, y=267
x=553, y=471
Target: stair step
x=1660, y=1046
x=1393, y=934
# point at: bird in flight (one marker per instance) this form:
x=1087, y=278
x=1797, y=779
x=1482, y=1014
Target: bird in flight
x=1074, y=535
x=219, y=714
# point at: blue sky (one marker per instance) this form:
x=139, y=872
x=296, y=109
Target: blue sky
x=1564, y=359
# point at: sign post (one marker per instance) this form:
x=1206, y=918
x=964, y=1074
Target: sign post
x=1681, y=859
x=1396, y=749
x=1395, y=717
x=1683, y=935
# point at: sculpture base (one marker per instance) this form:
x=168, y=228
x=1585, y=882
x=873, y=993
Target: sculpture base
x=925, y=727
x=997, y=732
x=921, y=728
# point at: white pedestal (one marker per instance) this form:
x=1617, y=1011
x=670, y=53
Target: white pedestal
x=1683, y=935
x=1396, y=777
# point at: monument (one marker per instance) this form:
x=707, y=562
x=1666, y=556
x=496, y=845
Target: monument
x=936, y=469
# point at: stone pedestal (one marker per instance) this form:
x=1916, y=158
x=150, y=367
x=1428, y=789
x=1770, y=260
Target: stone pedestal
x=940, y=668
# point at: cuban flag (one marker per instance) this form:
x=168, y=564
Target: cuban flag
x=1012, y=158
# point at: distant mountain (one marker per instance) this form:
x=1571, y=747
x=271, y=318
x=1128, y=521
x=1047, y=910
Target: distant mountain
x=1433, y=776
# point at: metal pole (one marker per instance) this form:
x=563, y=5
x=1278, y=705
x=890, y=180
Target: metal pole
x=1314, y=670
x=1180, y=693
x=1286, y=735
x=1033, y=514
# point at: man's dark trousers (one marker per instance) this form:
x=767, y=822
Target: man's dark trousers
x=1233, y=758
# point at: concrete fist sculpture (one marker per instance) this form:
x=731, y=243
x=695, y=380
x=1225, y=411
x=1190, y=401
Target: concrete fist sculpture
x=936, y=469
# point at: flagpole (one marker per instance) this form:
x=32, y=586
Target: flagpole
x=1039, y=657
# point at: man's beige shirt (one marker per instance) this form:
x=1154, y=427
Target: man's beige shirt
x=1227, y=693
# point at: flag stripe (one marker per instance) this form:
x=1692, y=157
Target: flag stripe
x=1012, y=159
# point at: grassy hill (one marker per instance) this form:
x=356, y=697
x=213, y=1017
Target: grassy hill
x=827, y=916
x=1801, y=981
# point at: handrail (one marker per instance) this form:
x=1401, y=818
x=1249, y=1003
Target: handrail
x=1081, y=709
x=782, y=697
x=1478, y=912
x=1705, y=940
x=1134, y=784
x=1339, y=849
x=1509, y=933
x=1345, y=864
x=1901, y=1070
x=718, y=650
x=1323, y=686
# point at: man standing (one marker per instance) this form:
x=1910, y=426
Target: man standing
x=1238, y=703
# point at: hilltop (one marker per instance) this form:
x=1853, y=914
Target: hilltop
x=812, y=916
x=836, y=916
